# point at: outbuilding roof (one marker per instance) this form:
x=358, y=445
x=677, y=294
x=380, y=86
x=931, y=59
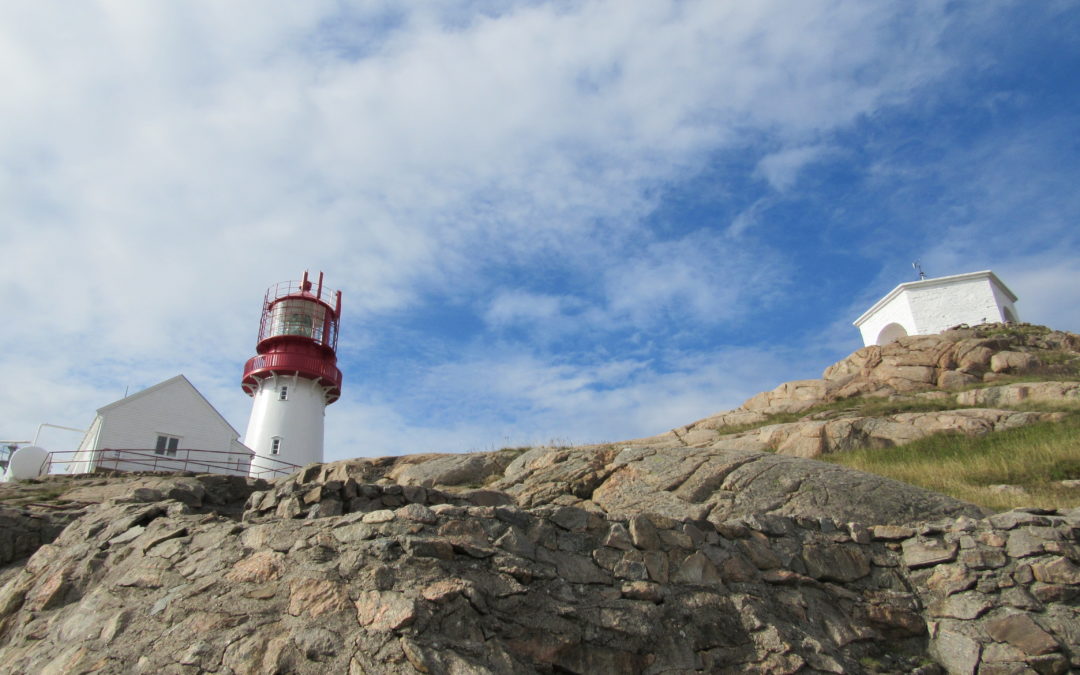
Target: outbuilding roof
x=930, y=283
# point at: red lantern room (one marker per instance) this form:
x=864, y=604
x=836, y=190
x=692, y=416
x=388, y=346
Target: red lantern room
x=298, y=336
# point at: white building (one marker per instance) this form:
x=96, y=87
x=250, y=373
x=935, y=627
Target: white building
x=167, y=427
x=933, y=305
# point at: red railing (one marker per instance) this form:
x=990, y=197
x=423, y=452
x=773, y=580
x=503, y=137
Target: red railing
x=316, y=290
x=325, y=334
x=185, y=459
x=291, y=362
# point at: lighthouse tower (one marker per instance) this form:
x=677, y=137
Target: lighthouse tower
x=295, y=375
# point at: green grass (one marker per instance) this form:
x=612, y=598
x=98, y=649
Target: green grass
x=860, y=406
x=1011, y=330
x=514, y=453
x=880, y=407
x=1032, y=457
x=877, y=406
x=1054, y=373
x=1053, y=357
x=29, y=492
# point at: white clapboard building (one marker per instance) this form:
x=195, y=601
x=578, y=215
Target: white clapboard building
x=930, y=306
x=167, y=427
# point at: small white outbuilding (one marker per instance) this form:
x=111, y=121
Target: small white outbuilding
x=167, y=427
x=932, y=305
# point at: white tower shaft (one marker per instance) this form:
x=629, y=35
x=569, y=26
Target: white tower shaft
x=286, y=423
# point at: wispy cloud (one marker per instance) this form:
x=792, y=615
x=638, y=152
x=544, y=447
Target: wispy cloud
x=517, y=307
x=477, y=178
x=510, y=398
x=781, y=168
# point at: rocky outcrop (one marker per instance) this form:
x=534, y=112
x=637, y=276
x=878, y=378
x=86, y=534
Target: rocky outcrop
x=573, y=560
x=915, y=367
x=37, y=511
x=952, y=359
x=917, y=363
x=431, y=588
x=1022, y=392
x=717, y=547
x=71, y=493
x=23, y=532
x=813, y=438
x=841, y=430
x=710, y=484
x=714, y=484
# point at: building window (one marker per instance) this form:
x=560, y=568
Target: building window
x=166, y=445
x=283, y=395
x=275, y=446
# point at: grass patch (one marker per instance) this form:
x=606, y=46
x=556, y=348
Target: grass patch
x=1039, y=374
x=1033, y=458
x=858, y=406
x=877, y=406
x=880, y=407
x=1053, y=357
x=514, y=453
x=778, y=418
x=1011, y=330
x=29, y=492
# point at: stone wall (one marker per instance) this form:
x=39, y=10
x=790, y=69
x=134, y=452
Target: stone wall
x=410, y=583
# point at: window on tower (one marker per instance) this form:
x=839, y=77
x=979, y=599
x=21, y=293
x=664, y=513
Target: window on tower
x=275, y=446
x=166, y=445
x=283, y=395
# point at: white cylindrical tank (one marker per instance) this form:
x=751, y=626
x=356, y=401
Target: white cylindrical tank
x=27, y=462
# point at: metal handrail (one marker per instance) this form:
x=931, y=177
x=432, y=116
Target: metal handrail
x=150, y=458
x=284, y=288
x=325, y=334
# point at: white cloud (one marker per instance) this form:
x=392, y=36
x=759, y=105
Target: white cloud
x=478, y=402
x=1048, y=289
x=517, y=307
x=1011, y=208
x=749, y=217
x=698, y=279
x=164, y=163
x=782, y=168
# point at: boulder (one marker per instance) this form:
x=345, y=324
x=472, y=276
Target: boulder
x=472, y=469
x=1013, y=362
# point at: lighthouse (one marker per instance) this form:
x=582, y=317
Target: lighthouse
x=294, y=376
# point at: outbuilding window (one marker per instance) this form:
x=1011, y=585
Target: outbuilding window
x=166, y=445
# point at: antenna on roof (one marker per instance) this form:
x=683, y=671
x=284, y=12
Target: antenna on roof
x=918, y=268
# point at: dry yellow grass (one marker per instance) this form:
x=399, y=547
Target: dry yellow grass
x=1034, y=459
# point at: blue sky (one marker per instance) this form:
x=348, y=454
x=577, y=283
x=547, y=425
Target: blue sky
x=571, y=222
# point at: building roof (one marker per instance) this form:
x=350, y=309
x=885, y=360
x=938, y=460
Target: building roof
x=929, y=283
x=162, y=385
